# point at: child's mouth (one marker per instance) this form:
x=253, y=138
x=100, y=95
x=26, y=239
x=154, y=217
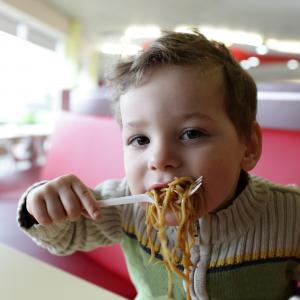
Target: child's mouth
x=158, y=186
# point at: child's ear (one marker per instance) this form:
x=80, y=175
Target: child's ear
x=253, y=148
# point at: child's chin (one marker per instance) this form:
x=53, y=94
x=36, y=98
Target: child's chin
x=171, y=219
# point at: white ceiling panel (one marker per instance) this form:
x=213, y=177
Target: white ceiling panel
x=271, y=18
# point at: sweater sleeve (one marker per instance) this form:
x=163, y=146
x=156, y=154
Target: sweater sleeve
x=83, y=234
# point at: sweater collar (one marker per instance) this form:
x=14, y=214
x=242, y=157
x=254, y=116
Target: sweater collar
x=237, y=218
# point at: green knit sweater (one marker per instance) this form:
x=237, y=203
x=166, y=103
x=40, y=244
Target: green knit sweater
x=249, y=250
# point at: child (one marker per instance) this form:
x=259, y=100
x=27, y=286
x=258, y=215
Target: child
x=186, y=108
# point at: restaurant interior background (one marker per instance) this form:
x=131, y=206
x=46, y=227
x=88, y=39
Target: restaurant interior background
x=54, y=55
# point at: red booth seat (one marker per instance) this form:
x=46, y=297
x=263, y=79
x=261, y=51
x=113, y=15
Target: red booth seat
x=280, y=160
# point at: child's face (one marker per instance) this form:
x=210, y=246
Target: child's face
x=175, y=124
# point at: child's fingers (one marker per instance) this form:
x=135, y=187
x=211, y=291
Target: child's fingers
x=64, y=197
x=39, y=211
x=55, y=208
x=87, y=198
x=70, y=203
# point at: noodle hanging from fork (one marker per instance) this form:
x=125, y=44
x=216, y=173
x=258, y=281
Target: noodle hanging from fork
x=177, y=199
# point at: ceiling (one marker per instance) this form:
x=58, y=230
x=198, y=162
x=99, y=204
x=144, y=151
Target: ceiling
x=102, y=18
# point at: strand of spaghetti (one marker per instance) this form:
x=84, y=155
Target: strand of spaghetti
x=182, y=233
x=179, y=192
x=153, y=220
x=170, y=282
x=167, y=256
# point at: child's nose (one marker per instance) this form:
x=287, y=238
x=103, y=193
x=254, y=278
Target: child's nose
x=163, y=158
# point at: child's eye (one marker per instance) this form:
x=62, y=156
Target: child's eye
x=191, y=134
x=139, y=140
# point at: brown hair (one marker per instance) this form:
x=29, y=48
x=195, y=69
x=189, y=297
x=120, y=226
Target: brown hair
x=192, y=49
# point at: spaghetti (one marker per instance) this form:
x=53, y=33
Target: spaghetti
x=175, y=198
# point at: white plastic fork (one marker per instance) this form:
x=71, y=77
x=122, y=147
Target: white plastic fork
x=144, y=197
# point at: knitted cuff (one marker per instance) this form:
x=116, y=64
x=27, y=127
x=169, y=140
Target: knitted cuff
x=24, y=218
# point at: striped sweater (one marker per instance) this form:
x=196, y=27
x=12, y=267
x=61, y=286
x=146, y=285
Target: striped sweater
x=249, y=250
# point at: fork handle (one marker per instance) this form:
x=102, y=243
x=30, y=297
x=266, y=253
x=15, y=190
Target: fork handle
x=125, y=200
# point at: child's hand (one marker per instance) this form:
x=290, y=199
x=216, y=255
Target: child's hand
x=60, y=199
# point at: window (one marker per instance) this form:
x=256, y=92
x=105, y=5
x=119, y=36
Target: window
x=33, y=72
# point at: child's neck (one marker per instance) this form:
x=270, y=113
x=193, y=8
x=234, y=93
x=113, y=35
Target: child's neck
x=242, y=183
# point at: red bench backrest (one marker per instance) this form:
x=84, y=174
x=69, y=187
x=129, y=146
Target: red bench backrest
x=280, y=161
x=87, y=146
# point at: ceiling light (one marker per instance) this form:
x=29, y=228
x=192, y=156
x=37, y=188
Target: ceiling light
x=253, y=61
x=292, y=64
x=231, y=36
x=262, y=49
x=284, y=46
x=277, y=95
x=143, y=32
x=245, y=64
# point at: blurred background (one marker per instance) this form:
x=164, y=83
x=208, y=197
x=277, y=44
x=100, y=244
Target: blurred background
x=55, y=115
x=54, y=55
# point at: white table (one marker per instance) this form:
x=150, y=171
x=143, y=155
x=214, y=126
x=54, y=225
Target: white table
x=34, y=134
x=24, y=277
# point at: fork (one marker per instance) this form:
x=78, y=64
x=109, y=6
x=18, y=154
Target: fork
x=144, y=197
